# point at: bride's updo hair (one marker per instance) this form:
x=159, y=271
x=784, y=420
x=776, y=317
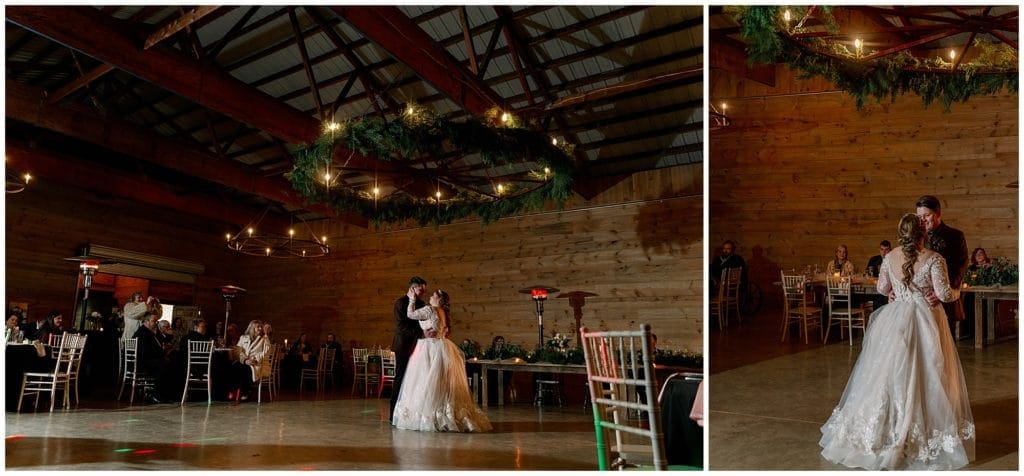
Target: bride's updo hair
x=911, y=238
x=446, y=305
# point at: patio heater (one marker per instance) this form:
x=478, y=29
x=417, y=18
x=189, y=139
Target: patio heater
x=539, y=295
x=228, y=292
x=88, y=266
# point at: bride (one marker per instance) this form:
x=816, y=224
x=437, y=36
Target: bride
x=905, y=405
x=435, y=394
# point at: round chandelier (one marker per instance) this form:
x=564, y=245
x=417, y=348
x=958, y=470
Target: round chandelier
x=432, y=169
x=253, y=241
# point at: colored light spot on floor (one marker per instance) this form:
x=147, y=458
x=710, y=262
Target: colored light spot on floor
x=144, y=452
x=102, y=425
x=307, y=468
x=132, y=420
x=215, y=438
x=184, y=445
x=124, y=450
x=15, y=437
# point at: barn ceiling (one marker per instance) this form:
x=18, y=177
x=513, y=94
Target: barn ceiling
x=202, y=104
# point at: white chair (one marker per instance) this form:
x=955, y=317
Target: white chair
x=76, y=364
x=795, y=308
x=387, y=372
x=618, y=367
x=266, y=377
x=727, y=297
x=200, y=356
x=54, y=343
x=840, y=308
x=359, y=357
x=323, y=361
x=37, y=383
x=138, y=379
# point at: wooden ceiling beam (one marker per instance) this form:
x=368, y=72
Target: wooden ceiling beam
x=304, y=54
x=389, y=28
x=625, y=87
x=24, y=104
x=177, y=24
x=86, y=30
x=59, y=168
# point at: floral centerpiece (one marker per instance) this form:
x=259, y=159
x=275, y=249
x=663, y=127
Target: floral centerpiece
x=1000, y=272
x=470, y=349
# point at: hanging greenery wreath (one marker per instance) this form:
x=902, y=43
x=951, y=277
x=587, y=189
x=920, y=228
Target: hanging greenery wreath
x=887, y=76
x=418, y=136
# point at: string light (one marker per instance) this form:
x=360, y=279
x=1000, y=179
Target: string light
x=501, y=189
x=250, y=231
x=786, y=16
x=228, y=236
x=291, y=232
x=28, y=177
x=554, y=141
x=952, y=54
x=858, y=45
x=504, y=117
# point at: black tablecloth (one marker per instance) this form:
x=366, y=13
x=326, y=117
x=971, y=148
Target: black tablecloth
x=21, y=359
x=684, y=438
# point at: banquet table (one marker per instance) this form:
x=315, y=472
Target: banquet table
x=684, y=438
x=985, y=322
x=19, y=359
x=515, y=365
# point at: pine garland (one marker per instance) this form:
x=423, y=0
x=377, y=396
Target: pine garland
x=418, y=134
x=888, y=76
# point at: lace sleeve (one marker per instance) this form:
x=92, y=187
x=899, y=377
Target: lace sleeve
x=884, y=286
x=940, y=281
x=422, y=314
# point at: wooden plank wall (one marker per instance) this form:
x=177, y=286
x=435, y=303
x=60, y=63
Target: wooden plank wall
x=47, y=223
x=638, y=245
x=802, y=170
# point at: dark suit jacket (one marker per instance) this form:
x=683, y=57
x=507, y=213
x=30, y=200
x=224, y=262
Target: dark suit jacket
x=151, y=352
x=951, y=244
x=875, y=261
x=407, y=331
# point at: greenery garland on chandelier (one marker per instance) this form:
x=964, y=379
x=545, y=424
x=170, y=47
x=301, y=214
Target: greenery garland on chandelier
x=498, y=138
x=893, y=75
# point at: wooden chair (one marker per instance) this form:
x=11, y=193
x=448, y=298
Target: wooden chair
x=197, y=370
x=618, y=367
x=359, y=357
x=324, y=360
x=387, y=372
x=266, y=377
x=795, y=308
x=138, y=379
x=727, y=298
x=37, y=383
x=76, y=365
x=840, y=308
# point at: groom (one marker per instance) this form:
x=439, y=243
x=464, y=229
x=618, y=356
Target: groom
x=950, y=243
x=407, y=332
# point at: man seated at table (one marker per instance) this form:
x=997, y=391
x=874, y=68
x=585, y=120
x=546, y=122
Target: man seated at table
x=151, y=358
x=728, y=259
x=875, y=263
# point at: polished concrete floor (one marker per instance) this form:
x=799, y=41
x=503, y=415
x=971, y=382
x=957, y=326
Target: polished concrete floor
x=766, y=408
x=333, y=433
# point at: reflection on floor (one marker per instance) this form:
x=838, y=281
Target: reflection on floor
x=768, y=399
x=324, y=434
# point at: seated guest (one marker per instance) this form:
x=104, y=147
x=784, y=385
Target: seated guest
x=218, y=331
x=268, y=332
x=303, y=350
x=728, y=259
x=11, y=330
x=247, y=368
x=165, y=334
x=198, y=333
x=840, y=264
x=875, y=263
x=232, y=339
x=979, y=260
x=151, y=358
x=180, y=331
x=52, y=326
x=338, y=354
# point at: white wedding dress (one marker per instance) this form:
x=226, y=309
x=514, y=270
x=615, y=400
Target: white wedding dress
x=435, y=393
x=905, y=405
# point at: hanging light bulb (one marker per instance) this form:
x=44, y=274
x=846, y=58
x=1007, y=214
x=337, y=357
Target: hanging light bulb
x=291, y=232
x=27, y=177
x=504, y=117
x=250, y=231
x=324, y=239
x=952, y=54
x=376, y=191
x=228, y=236
x=438, y=194
x=268, y=251
x=547, y=171
x=501, y=188
x=858, y=45
x=554, y=141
